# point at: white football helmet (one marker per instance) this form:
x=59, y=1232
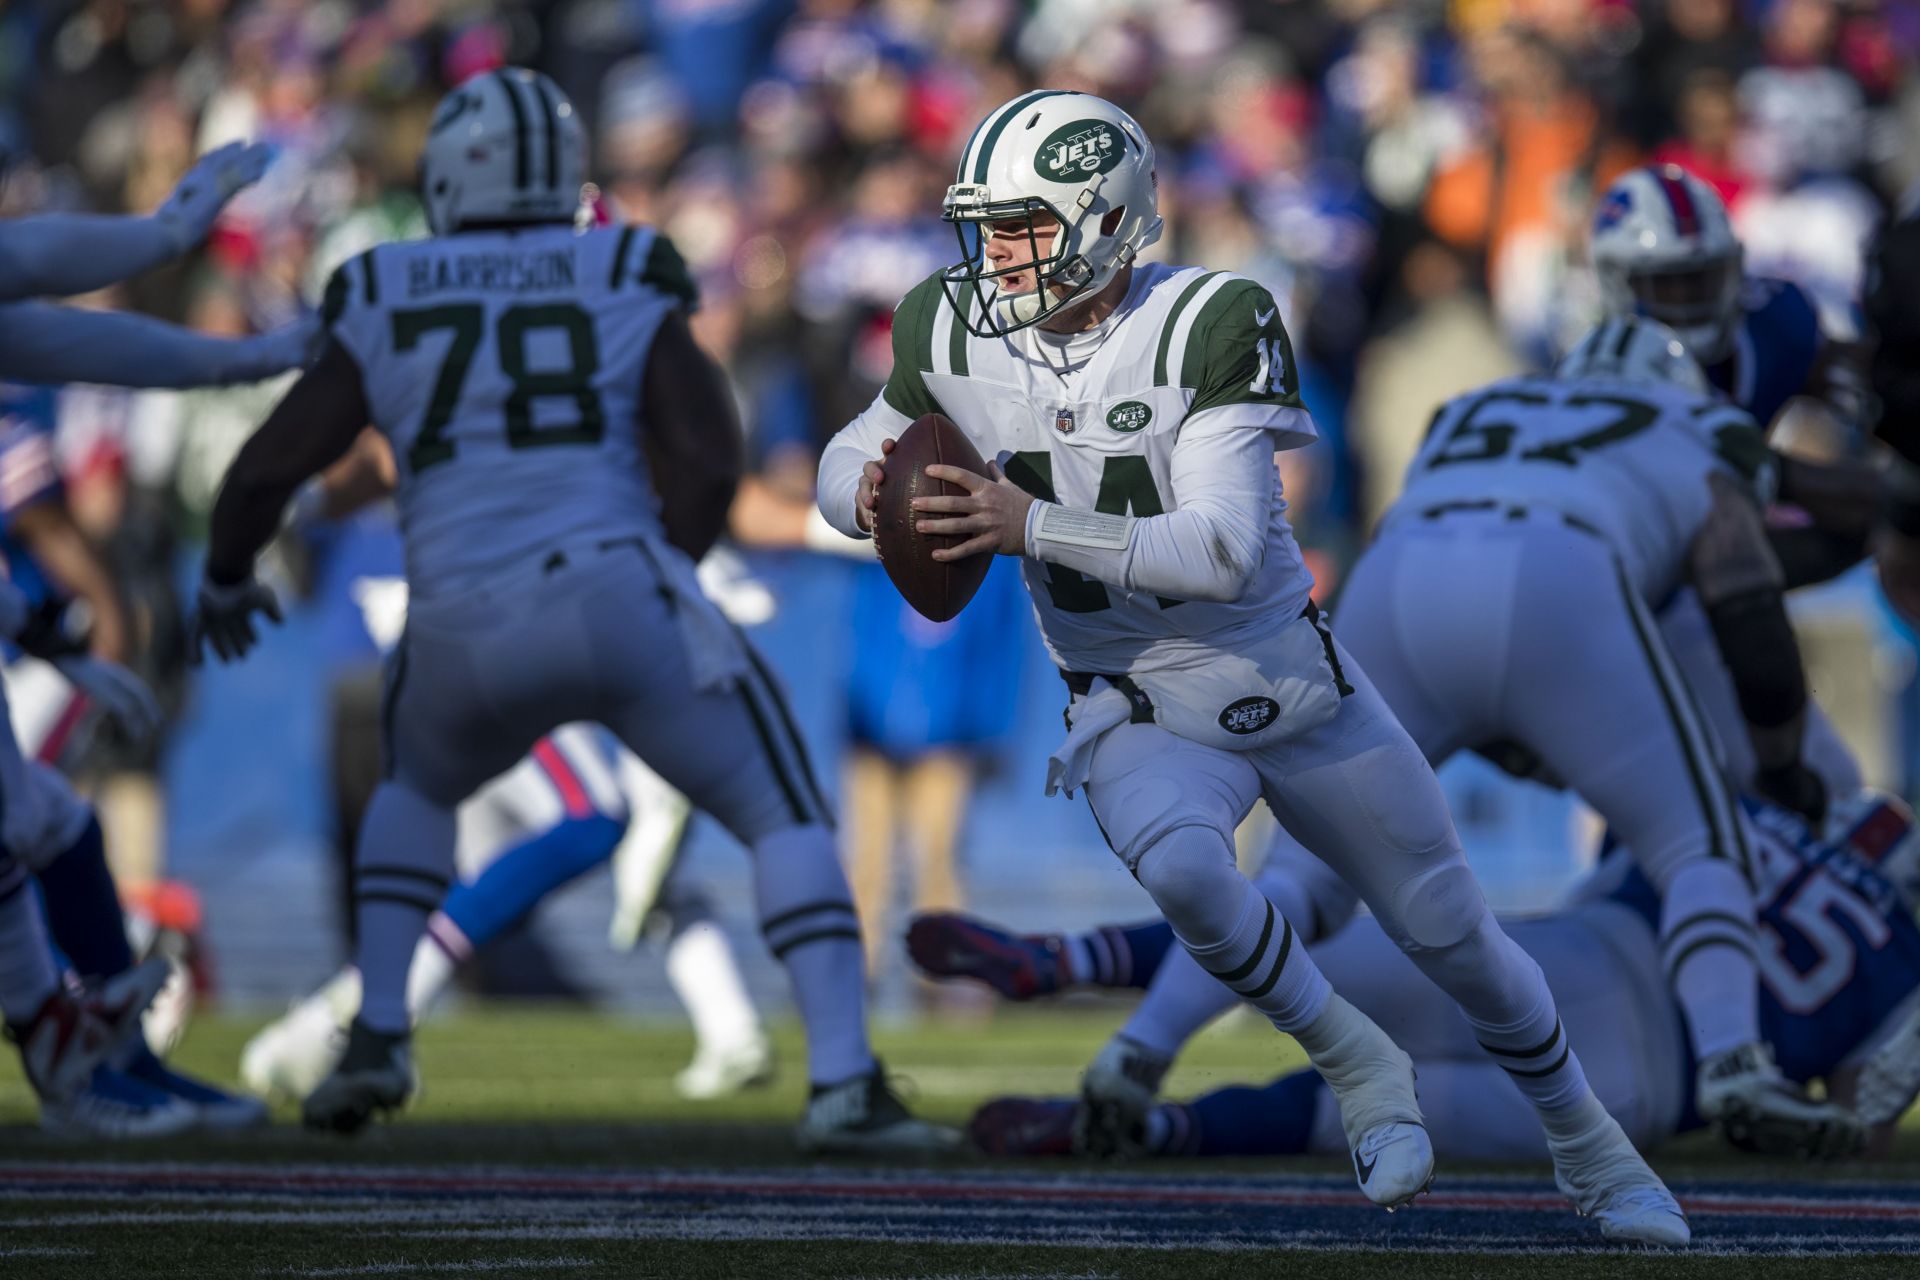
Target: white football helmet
x=1663, y=247
x=505, y=146
x=1634, y=349
x=1070, y=155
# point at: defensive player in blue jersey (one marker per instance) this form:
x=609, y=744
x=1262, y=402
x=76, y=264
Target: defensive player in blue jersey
x=99, y=1082
x=1840, y=964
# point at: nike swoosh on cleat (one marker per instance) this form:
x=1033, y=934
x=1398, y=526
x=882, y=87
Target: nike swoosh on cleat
x=1365, y=1167
x=1260, y=321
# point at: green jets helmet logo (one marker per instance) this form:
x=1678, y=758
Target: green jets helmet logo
x=1077, y=151
x=1129, y=416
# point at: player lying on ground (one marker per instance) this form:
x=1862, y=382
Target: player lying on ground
x=45, y=828
x=1840, y=992
x=1131, y=414
x=565, y=450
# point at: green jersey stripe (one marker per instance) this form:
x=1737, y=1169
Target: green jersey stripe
x=620, y=252
x=957, y=336
x=1194, y=286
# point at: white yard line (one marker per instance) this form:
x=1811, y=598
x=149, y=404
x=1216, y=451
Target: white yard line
x=427, y=1268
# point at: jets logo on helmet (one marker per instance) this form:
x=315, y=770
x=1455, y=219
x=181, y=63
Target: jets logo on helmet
x=1083, y=147
x=504, y=147
x=1664, y=248
x=1051, y=160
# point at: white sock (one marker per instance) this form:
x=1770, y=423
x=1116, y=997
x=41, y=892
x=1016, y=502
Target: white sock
x=807, y=916
x=1230, y=927
x=1079, y=956
x=401, y=872
x=1707, y=943
x=705, y=976
x=27, y=972
x=442, y=950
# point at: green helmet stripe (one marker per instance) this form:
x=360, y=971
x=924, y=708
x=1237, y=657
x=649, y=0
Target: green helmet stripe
x=520, y=158
x=979, y=132
x=1000, y=122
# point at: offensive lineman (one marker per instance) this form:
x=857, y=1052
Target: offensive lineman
x=1131, y=414
x=1506, y=607
x=537, y=386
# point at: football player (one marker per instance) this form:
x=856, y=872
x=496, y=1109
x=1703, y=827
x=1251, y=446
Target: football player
x=45, y=828
x=1130, y=413
x=1840, y=983
x=564, y=451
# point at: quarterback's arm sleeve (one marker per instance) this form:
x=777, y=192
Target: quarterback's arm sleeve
x=1209, y=547
x=40, y=342
x=60, y=255
x=312, y=427
x=851, y=448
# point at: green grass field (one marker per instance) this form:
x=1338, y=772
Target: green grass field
x=546, y=1089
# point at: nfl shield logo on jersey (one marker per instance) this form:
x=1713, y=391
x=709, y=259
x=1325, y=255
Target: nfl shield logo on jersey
x=1063, y=421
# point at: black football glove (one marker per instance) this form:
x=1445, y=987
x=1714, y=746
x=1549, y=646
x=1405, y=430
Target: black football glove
x=57, y=629
x=1795, y=787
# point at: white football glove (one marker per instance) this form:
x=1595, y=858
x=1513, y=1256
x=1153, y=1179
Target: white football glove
x=224, y=619
x=190, y=212
x=119, y=693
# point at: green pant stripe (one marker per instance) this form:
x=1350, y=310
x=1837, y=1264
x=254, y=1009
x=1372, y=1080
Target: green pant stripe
x=794, y=740
x=794, y=802
x=1702, y=778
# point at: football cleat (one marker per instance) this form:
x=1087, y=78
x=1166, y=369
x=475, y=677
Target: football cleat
x=289, y=1057
x=375, y=1075
x=1741, y=1092
x=723, y=1072
x=1598, y=1169
x=115, y=1105
x=1018, y=967
x=1372, y=1079
x=1025, y=1127
x=215, y=1108
x=75, y=1031
x=1116, y=1093
x=863, y=1116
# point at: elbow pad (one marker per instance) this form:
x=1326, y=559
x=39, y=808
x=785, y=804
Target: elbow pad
x=1763, y=657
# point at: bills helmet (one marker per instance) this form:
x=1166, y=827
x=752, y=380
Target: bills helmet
x=1663, y=248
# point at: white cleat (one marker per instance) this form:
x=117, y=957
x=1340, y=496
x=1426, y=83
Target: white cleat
x=1598, y=1169
x=1394, y=1163
x=863, y=1116
x=1742, y=1093
x=724, y=1071
x=1116, y=1094
x=289, y=1057
x=1372, y=1080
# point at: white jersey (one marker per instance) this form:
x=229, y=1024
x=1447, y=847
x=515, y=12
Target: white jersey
x=1630, y=462
x=1091, y=423
x=505, y=366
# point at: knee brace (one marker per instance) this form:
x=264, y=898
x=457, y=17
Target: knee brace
x=1438, y=908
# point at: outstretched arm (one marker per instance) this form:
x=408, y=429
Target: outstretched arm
x=59, y=255
x=44, y=343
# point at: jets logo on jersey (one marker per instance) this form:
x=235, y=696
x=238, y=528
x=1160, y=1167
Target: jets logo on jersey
x=1249, y=715
x=1079, y=150
x=1063, y=421
x=1129, y=416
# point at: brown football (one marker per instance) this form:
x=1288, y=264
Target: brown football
x=938, y=589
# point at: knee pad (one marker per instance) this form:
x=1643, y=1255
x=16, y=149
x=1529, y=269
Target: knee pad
x=1190, y=872
x=1438, y=908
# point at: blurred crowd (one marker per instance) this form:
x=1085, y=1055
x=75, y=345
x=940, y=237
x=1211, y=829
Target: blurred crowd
x=1412, y=180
